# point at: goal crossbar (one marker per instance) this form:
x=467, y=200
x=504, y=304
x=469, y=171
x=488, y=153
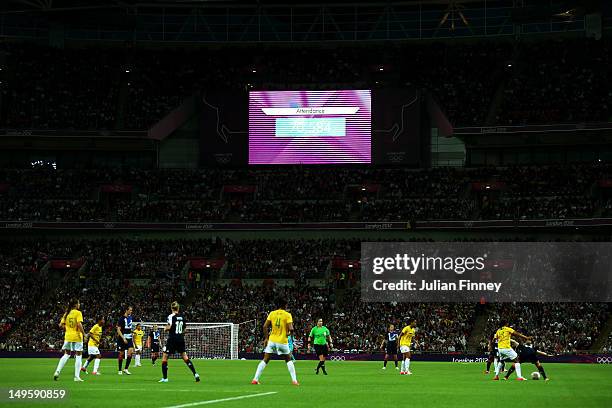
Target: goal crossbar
x=215, y=340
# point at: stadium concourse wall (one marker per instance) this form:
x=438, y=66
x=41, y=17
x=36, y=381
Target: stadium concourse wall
x=366, y=231
x=407, y=225
x=430, y=357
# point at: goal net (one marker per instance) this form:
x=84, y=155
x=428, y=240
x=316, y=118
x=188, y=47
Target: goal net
x=202, y=340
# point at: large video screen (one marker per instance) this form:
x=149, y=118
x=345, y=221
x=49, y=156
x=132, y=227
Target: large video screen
x=310, y=127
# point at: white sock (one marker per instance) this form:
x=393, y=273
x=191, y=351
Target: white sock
x=77, y=366
x=86, y=363
x=403, y=366
x=137, y=359
x=291, y=369
x=96, y=365
x=497, y=367
x=62, y=362
x=407, y=364
x=260, y=368
x=517, y=367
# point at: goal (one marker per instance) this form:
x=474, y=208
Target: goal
x=202, y=340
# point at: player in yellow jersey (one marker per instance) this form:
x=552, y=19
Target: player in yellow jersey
x=138, y=335
x=93, y=346
x=277, y=327
x=405, y=337
x=506, y=353
x=72, y=324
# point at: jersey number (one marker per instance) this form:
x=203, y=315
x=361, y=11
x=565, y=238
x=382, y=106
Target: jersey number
x=277, y=324
x=179, y=328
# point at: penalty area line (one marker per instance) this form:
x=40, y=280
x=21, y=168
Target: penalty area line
x=193, y=404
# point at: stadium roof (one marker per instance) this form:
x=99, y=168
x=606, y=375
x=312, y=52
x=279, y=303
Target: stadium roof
x=26, y=6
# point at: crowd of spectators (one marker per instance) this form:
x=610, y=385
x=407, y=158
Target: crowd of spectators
x=99, y=298
x=21, y=282
x=316, y=194
x=539, y=208
x=290, y=259
x=562, y=81
x=142, y=258
x=50, y=88
x=149, y=274
x=356, y=327
x=555, y=327
x=441, y=327
x=607, y=348
x=132, y=88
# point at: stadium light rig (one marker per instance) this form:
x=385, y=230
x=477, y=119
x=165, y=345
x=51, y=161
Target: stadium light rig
x=454, y=9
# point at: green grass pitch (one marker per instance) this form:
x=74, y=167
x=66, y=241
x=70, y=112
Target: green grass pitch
x=349, y=384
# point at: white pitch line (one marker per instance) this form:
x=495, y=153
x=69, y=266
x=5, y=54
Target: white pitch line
x=193, y=404
x=140, y=389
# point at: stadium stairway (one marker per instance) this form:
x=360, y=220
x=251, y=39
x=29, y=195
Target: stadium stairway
x=478, y=331
x=601, y=340
x=121, y=105
x=191, y=297
x=502, y=75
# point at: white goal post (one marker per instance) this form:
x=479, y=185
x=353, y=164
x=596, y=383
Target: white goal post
x=202, y=340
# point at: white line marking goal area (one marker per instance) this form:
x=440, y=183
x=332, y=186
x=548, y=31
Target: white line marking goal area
x=215, y=401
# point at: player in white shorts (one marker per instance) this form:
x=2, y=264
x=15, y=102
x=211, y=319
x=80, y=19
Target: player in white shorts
x=93, y=344
x=72, y=324
x=138, y=337
x=277, y=348
x=506, y=353
x=405, y=339
x=277, y=327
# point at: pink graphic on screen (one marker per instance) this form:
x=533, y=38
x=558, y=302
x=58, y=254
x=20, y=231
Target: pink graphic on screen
x=310, y=127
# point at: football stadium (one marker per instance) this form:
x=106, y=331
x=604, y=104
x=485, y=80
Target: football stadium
x=265, y=203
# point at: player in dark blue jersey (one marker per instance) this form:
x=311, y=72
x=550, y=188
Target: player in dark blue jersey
x=124, y=340
x=528, y=353
x=153, y=342
x=176, y=326
x=493, y=355
x=391, y=346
